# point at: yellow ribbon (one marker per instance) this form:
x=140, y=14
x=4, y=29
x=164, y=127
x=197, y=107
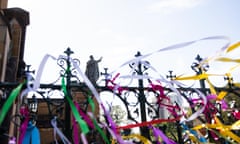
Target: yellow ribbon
x=226, y=59
x=211, y=87
x=221, y=94
x=132, y=136
x=194, y=138
x=196, y=77
x=237, y=84
x=232, y=47
x=199, y=77
x=224, y=130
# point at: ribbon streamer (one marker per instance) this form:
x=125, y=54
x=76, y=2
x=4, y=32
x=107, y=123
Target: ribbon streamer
x=23, y=128
x=36, y=83
x=224, y=130
x=147, y=123
x=95, y=122
x=82, y=123
x=32, y=135
x=193, y=135
x=158, y=133
x=134, y=136
x=232, y=47
x=9, y=101
x=58, y=131
x=178, y=46
x=96, y=95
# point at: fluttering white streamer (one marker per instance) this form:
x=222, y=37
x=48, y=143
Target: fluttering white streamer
x=87, y=81
x=36, y=84
x=36, y=81
x=197, y=113
x=58, y=131
x=178, y=46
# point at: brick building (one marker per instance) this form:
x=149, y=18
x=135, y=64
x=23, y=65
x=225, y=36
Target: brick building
x=13, y=24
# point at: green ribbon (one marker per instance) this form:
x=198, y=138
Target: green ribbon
x=95, y=122
x=91, y=104
x=81, y=122
x=9, y=102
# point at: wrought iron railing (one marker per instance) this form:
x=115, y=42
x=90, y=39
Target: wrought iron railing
x=148, y=100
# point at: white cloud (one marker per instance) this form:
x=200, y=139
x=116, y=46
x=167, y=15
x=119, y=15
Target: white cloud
x=168, y=6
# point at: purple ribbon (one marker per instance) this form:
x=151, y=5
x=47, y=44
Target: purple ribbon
x=158, y=133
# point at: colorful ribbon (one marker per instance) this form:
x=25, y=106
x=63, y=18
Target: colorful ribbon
x=23, y=128
x=223, y=130
x=56, y=131
x=133, y=136
x=98, y=128
x=9, y=101
x=81, y=122
x=159, y=134
x=193, y=135
x=32, y=135
x=147, y=123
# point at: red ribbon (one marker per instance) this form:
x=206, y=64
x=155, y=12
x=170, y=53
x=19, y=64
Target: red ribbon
x=148, y=123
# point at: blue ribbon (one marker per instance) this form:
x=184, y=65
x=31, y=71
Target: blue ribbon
x=200, y=138
x=32, y=135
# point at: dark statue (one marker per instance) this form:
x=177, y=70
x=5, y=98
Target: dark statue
x=92, y=70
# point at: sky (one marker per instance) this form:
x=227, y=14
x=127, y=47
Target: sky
x=117, y=29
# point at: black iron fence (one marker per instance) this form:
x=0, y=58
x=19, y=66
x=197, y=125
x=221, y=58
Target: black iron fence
x=158, y=110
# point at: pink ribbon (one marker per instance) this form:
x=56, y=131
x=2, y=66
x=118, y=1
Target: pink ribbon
x=236, y=114
x=25, y=113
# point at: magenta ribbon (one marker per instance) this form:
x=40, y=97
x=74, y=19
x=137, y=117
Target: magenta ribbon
x=75, y=131
x=170, y=108
x=223, y=103
x=25, y=113
x=84, y=116
x=75, y=126
x=236, y=114
x=115, y=87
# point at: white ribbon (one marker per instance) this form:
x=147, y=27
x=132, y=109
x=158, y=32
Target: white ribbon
x=58, y=131
x=36, y=84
